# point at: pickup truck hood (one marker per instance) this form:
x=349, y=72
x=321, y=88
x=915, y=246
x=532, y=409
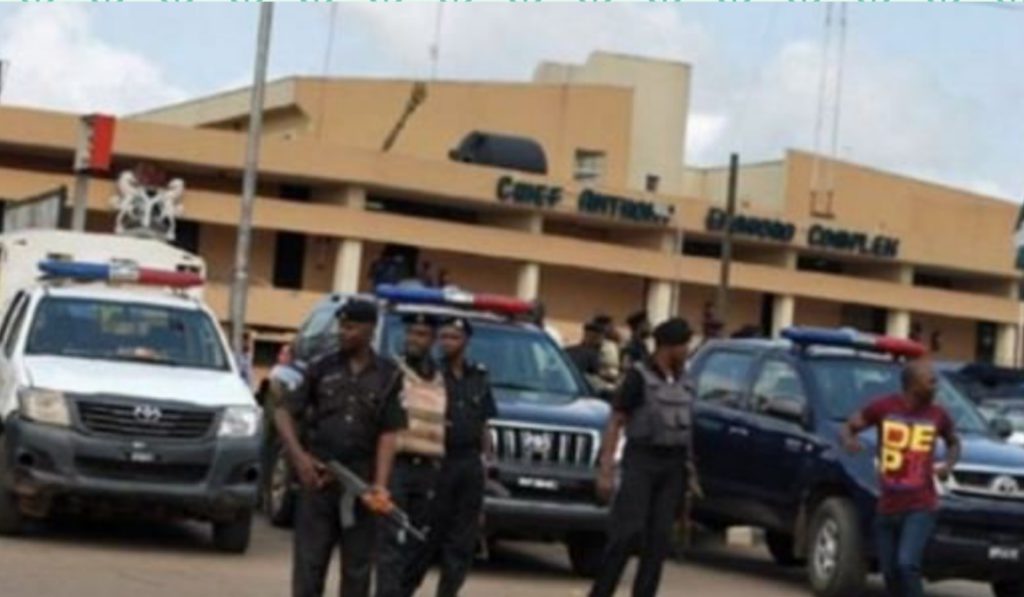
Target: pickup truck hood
x=552, y=409
x=200, y=387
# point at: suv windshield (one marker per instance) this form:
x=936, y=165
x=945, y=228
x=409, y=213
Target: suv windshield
x=516, y=358
x=846, y=385
x=116, y=331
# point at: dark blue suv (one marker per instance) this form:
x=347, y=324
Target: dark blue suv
x=767, y=418
x=547, y=434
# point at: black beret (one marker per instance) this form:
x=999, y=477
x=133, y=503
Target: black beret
x=419, y=319
x=459, y=323
x=673, y=332
x=358, y=311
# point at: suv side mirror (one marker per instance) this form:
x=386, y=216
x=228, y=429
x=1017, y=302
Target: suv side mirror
x=1002, y=427
x=786, y=408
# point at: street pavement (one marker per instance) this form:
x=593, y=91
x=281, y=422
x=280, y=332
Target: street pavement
x=129, y=559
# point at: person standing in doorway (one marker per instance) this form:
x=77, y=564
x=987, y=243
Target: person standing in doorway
x=420, y=449
x=654, y=407
x=909, y=425
x=636, y=349
x=351, y=397
x=455, y=523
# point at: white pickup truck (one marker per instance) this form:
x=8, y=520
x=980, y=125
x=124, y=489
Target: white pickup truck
x=117, y=388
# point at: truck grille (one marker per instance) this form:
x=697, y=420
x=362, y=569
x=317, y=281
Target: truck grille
x=1006, y=485
x=153, y=472
x=144, y=420
x=539, y=444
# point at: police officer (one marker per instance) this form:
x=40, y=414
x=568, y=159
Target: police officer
x=654, y=406
x=351, y=398
x=419, y=450
x=455, y=523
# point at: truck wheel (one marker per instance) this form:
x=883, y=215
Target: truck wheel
x=835, y=559
x=232, y=536
x=781, y=547
x=585, y=553
x=11, y=520
x=278, y=493
x=1008, y=588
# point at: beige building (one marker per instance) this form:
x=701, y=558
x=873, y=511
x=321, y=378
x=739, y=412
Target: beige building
x=616, y=223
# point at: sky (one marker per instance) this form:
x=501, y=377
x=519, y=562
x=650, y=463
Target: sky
x=934, y=91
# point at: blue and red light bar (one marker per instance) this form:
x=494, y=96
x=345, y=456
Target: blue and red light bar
x=118, y=273
x=851, y=338
x=505, y=305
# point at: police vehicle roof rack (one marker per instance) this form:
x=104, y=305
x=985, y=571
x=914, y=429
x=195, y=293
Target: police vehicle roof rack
x=116, y=272
x=806, y=337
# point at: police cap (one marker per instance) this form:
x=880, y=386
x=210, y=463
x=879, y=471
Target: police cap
x=358, y=311
x=460, y=323
x=420, y=319
x=673, y=332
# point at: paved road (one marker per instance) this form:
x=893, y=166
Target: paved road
x=127, y=559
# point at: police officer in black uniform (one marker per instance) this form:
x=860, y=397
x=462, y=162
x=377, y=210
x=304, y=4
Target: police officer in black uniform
x=349, y=397
x=455, y=524
x=420, y=451
x=654, y=406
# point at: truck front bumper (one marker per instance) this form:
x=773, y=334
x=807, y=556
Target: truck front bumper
x=977, y=539
x=528, y=518
x=53, y=467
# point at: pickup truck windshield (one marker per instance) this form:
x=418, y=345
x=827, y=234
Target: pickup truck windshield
x=847, y=385
x=116, y=331
x=516, y=358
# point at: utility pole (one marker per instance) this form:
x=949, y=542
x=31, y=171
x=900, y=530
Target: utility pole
x=4, y=67
x=726, y=261
x=240, y=286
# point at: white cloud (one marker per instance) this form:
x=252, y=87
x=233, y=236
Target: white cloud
x=58, y=62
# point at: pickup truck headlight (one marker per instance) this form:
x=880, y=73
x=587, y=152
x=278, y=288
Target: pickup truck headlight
x=44, y=406
x=240, y=421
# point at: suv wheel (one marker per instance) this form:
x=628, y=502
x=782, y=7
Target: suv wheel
x=232, y=536
x=835, y=560
x=781, y=547
x=585, y=553
x=1008, y=588
x=278, y=491
x=11, y=520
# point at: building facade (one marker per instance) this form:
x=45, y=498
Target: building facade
x=614, y=224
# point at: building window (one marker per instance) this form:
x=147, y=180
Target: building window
x=700, y=248
x=289, y=259
x=813, y=263
x=652, y=183
x=933, y=280
x=589, y=166
x=295, y=192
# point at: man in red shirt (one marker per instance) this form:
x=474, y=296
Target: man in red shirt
x=909, y=425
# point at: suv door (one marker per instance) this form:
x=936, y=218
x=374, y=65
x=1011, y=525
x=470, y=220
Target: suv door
x=721, y=435
x=781, y=446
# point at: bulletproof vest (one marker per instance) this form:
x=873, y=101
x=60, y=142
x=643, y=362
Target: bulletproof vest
x=424, y=401
x=664, y=417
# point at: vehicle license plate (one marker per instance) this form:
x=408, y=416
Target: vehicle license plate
x=1004, y=554
x=142, y=457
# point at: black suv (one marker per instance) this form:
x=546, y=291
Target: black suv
x=768, y=416
x=547, y=433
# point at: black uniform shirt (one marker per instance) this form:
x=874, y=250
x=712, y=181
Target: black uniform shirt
x=348, y=411
x=586, y=359
x=470, y=406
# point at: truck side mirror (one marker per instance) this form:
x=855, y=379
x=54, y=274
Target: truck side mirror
x=786, y=408
x=1002, y=427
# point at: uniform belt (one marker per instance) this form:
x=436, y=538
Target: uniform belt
x=417, y=460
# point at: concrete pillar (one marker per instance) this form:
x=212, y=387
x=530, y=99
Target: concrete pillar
x=897, y=323
x=528, y=281
x=783, y=307
x=1006, y=339
x=349, y=258
x=660, y=294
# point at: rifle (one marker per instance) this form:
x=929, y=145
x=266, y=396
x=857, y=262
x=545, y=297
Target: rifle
x=354, y=487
